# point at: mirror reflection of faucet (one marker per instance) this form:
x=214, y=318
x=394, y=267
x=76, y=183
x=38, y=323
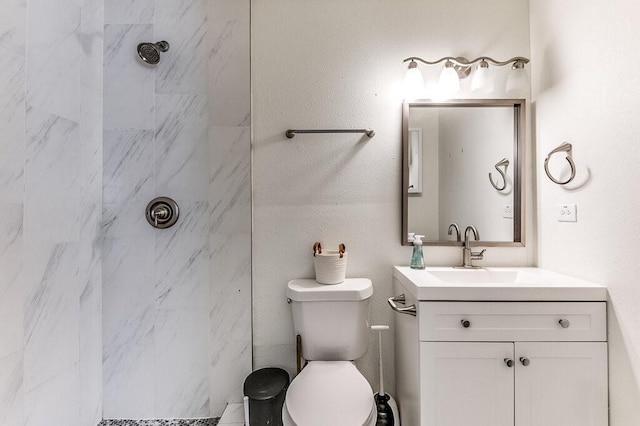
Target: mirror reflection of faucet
x=469, y=256
x=454, y=227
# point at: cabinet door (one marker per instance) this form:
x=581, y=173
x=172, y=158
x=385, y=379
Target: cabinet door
x=564, y=384
x=466, y=384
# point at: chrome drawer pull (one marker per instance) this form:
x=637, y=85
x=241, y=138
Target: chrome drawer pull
x=525, y=361
x=409, y=310
x=564, y=323
x=465, y=323
x=509, y=362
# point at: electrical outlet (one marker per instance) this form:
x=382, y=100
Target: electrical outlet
x=507, y=212
x=567, y=213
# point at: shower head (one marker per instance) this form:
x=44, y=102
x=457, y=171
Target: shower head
x=150, y=52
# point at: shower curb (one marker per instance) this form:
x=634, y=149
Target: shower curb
x=160, y=422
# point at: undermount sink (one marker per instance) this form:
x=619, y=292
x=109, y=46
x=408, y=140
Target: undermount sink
x=447, y=283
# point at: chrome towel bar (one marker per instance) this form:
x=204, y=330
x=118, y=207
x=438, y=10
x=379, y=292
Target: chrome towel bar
x=292, y=132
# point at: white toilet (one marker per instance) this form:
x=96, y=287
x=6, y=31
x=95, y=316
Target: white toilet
x=333, y=322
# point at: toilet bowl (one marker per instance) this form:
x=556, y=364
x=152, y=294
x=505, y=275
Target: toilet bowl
x=329, y=393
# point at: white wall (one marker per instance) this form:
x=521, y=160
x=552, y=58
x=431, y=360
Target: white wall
x=327, y=64
x=587, y=91
x=50, y=212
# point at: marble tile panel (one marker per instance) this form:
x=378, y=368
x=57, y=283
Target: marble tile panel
x=13, y=26
x=128, y=292
x=229, y=63
x=128, y=377
x=184, y=68
x=51, y=312
x=91, y=148
x=230, y=364
x=181, y=270
x=129, y=11
x=92, y=42
x=230, y=286
x=230, y=182
x=182, y=363
x=90, y=339
x=11, y=244
x=128, y=166
x=233, y=414
x=55, y=402
x=182, y=147
x=129, y=98
x=54, y=57
x=12, y=124
x=51, y=22
x=127, y=220
x=52, y=151
x=11, y=320
x=11, y=390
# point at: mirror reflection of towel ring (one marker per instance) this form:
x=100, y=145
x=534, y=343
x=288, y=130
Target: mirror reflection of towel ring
x=565, y=147
x=504, y=162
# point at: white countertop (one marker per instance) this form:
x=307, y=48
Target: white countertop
x=497, y=284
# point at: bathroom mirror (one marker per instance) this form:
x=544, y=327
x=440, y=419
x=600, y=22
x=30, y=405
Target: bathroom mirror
x=462, y=162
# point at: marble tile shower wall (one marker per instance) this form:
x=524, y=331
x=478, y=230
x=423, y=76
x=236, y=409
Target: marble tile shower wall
x=51, y=113
x=177, y=302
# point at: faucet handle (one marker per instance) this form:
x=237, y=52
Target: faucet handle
x=478, y=255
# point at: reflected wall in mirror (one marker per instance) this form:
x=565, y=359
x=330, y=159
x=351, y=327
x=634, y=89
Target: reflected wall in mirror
x=462, y=162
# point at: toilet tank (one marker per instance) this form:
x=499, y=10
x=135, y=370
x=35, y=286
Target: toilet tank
x=332, y=320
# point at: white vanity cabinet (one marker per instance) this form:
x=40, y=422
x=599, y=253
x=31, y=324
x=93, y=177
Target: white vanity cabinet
x=501, y=363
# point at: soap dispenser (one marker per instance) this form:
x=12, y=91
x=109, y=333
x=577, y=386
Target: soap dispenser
x=417, y=258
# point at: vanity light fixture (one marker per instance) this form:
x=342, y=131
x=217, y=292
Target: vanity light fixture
x=449, y=82
x=518, y=80
x=413, y=82
x=482, y=79
x=459, y=68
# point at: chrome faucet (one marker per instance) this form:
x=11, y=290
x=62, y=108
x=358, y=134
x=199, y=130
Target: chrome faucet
x=467, y=255
x=454, y=227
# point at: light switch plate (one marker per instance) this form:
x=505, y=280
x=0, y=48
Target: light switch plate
x=567, y=213
x=507, y=211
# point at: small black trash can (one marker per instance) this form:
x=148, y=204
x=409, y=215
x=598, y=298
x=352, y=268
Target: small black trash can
x=266, y=389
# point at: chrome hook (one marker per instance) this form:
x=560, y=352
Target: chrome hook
x=504, y=162
x=565, y=147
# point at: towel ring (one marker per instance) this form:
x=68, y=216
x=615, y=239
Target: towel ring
x=504, y=162
x=565, y=147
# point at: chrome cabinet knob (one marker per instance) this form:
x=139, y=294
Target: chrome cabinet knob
x=525, y=361
x=564, y=323
x=465, y=323
x=509, y=362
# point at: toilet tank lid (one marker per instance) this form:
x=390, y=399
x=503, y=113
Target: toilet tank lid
x=309, y=290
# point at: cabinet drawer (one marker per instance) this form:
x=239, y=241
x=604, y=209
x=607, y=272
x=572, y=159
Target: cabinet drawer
x=512, y=321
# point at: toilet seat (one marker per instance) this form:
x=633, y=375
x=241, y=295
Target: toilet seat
x=329, y=393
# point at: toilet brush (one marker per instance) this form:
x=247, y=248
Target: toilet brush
x=385, y=404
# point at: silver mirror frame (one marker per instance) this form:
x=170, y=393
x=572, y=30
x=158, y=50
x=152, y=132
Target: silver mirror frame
x=519, y=115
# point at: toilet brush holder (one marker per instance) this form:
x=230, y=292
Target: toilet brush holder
x=330, y=265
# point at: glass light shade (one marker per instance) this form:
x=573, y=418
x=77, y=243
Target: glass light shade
x=482, y=80
x=518, y=82
x=413, y=83
x=449, y=82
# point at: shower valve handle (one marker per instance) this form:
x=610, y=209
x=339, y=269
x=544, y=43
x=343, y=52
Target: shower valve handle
x=159, y=212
